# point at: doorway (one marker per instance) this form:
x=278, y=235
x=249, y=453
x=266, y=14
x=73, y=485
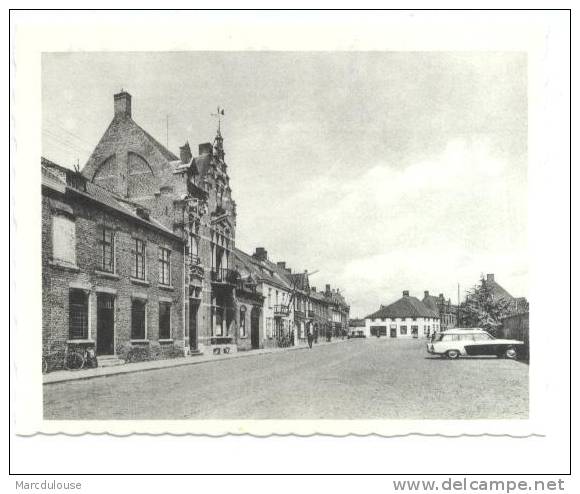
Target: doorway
x=193, y=309
x=255, y=328
x=105, y=324
x=393, y=332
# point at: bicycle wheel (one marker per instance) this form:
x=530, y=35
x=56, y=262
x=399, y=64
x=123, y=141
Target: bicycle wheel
x=74, y=361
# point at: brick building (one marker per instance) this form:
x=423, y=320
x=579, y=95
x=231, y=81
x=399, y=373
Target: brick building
x=446, y=310
x=191, y=197
x=112, y=275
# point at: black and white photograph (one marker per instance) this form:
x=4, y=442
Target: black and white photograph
x=292, y=236
x=333, y=224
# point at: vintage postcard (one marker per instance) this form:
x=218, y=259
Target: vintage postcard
x=290, y=239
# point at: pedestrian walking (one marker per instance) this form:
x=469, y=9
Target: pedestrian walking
x=310, y=338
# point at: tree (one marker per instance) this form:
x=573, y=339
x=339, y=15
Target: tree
x=482, y=309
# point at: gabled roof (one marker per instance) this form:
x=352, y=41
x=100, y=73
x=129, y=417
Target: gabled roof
x=168, y=155
x=260, y=270
x=319, y=296
x=122, y=125
x=432, y=302
x=498, y=290
x=101, y=195
x=406, y=306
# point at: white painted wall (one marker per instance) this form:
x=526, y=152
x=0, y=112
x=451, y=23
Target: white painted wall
x=424, y=324
x=268, y=308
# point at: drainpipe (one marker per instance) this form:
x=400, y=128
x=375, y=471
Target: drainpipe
x=185, y=294
x=185, y=291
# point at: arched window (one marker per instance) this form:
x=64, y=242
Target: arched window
x=140, y=179
x=243, y=321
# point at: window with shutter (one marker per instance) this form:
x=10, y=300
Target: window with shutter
x=63, y=239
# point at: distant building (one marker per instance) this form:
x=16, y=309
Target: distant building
x=290, y=308
x=321, y=318
x=408, y=317
x=446, y=310
x=518, y=305
x=303, y=315
x=339, y=311
x=356, y=325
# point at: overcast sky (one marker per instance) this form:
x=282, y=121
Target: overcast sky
x=383, y=171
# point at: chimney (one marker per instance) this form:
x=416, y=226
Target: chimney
x=426, y=293
x=205, y=148
x=185, y=153
x=490, y=277
x=261, y=254
x=122, y=104
x=281, y=265
x=327, y=288
x=405, y=293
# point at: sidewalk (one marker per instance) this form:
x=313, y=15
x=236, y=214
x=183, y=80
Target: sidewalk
x=67, y=375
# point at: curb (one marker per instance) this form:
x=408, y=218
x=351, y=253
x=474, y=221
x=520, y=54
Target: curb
x=125, y=369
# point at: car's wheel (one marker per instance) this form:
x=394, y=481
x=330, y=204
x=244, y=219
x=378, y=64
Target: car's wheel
x=452, y=354
x=511, y=353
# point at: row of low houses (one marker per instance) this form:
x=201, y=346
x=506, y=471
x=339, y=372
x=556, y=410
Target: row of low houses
x=138, y=252
x=410, y=317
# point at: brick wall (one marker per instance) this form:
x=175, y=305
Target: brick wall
x=126, y=143
x=57, y=281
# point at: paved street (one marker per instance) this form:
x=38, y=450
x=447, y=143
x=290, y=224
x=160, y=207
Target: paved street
x=358, y=379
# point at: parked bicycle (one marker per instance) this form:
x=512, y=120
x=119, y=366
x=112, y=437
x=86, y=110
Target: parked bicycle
x=69, y=360
x=284, y=342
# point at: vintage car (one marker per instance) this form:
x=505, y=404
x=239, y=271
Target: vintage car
x=470, y=342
